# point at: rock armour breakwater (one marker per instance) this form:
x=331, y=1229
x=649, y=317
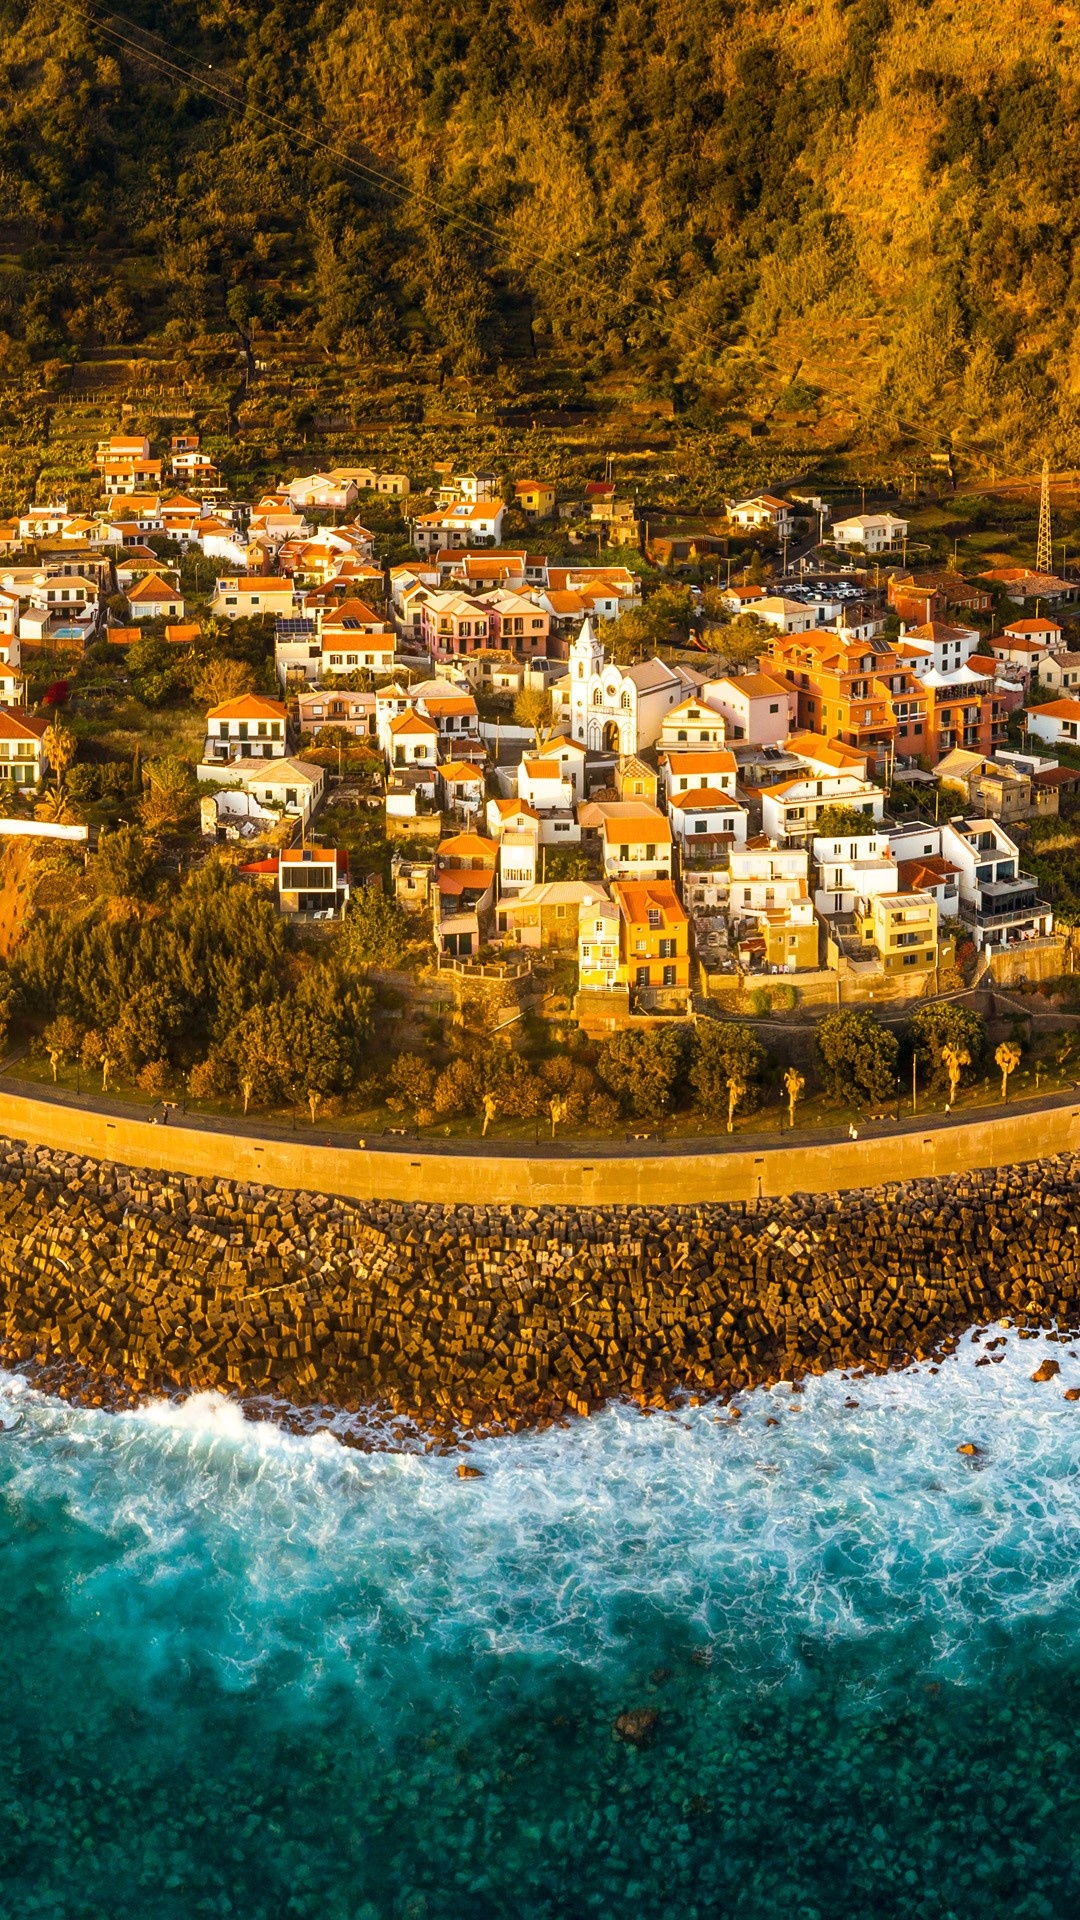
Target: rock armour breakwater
x=116, y=1283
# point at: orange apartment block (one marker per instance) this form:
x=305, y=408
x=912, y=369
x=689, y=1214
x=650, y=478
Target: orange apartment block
x=879, y=697
x=846, y=688
x=654, y=935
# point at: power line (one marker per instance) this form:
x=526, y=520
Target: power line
x=371, y=174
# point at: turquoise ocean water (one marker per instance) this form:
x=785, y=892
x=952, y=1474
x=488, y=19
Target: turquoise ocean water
x=247, y=1673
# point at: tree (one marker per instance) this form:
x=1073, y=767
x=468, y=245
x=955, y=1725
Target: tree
x=413, y=1087
x=60, y=747
x=858, y=1055
x=168, y=803
x=839, y=820
x=63, y=1039
x=375, y=931
x=533, y=708
x=954, y=1060
x=56, y=808
x=1008, y=1058
x=794, y=1082
x=643, y=1070
x=220, y=679
x=8, y=998
x=941, y=1024
x=565, y=863
x=123, y=867
x=744, y=640
x=722, y=1050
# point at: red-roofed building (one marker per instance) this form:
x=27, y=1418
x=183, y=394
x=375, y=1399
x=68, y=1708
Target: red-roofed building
x=252, y=727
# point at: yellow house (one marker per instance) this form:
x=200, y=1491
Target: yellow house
x=635, y=781
x=244, y=596
x=535, y=498
x=903, y=927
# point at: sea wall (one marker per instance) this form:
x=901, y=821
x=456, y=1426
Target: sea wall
x=115, y=1282
x=574, y=1177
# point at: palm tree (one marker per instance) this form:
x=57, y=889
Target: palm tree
x=60, y=746
x=55, y=807
x=794, y=1082
x=955, y=1059
x=735, y=1090
x=1008, y=1059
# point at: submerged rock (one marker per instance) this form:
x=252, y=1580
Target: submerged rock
x=638, y=1727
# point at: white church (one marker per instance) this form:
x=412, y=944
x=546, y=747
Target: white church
x=617, y=709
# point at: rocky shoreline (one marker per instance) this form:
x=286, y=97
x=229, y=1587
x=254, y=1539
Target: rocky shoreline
x=427, y=1323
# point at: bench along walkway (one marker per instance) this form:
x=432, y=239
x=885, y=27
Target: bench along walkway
x=560, y=1172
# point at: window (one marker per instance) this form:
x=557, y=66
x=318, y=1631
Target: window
x=624, y=853
x=700, y=826
x=670, y=974
x=650, y=850
x=667, y=949
x=642, y=977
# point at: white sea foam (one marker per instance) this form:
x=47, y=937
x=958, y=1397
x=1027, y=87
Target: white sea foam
x=249, y=1544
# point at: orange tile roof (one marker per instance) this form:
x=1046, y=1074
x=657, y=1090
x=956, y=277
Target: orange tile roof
x=636, y=897
x=718, y=760
x=249, y=706
x=20, y=726
x=637, y=829
x=476, y=845
x=462, y=772
x=1058, y=710
x=412, y=723
x=703, y=797
x=154, y=588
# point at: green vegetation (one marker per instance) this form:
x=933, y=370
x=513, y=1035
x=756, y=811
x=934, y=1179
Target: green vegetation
x=636, y=197
x=858, y=1056
x=940, y=1027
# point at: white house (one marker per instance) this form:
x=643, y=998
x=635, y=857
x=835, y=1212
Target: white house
x=705, y=819
x=322, y=490
x=571, y=757
x=636, y=841
x=1057, y=724
x=249, y=728
x=519, y=857
x=413, y=740
x=873, y=532
x=851, y=866
x=23, y=759
x=154, y=599
x=999, y=904
x=261, y=793
x=790, y=809
x=462, y=524
x=764, y=513
x=715, y=767
x=787, y=616
x=542, y=784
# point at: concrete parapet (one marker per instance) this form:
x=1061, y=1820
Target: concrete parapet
x=586, y=1177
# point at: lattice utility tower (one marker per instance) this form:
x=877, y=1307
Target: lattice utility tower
x=1044, y=554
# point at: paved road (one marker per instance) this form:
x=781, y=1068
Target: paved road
x=631, y=1145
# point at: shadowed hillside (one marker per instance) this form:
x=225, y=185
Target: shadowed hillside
x=859, y=216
